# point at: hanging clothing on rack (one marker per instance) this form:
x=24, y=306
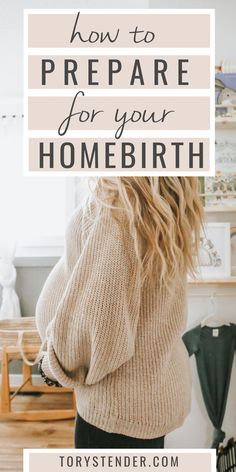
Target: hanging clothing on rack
x=214, y=352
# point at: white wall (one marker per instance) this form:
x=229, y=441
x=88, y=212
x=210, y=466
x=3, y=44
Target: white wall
x=225, y=12
x=11, y=34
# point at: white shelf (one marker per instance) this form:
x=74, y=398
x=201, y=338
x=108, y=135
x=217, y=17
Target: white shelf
x=225, y=123
x=219, y=209
x=230, y=282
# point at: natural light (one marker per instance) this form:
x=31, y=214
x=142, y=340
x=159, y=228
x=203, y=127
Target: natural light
x=37, y=208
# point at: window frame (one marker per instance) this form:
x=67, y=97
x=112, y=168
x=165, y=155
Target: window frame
x=45, y=251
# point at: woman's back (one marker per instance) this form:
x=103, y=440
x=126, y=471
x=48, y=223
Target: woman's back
x=115, y=340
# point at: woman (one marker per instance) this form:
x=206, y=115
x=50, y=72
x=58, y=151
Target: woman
x=113, y=310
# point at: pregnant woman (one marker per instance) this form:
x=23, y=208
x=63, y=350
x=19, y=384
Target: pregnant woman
x=113, y=310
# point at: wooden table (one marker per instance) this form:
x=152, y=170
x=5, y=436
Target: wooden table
x=8, y=392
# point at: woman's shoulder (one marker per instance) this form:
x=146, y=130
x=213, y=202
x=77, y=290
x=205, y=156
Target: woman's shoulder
x=83, y=215
x=92, y=216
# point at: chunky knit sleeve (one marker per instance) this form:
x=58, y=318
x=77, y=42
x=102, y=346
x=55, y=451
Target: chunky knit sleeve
x=94, y=327
x=58, y=278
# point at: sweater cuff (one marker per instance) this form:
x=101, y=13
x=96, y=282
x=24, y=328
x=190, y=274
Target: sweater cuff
x=46, y=373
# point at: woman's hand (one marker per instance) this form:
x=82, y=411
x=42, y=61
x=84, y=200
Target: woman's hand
x=44, y=372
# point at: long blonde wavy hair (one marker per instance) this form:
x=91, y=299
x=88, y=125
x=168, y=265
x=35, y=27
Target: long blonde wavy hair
x=165, y=218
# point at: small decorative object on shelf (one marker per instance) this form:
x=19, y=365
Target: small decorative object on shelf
x=225, y=116
x=220, y=190
x=214, y=259
x=209, y=255
x=225, y=86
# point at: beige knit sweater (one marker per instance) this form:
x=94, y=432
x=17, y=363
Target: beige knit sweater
x=120, y=348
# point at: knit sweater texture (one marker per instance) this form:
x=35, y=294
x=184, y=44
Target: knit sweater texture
x=118, y=346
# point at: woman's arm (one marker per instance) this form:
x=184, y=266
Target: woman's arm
x=94, y=327
x=58, y=278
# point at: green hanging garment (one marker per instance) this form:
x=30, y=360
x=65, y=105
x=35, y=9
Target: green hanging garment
x=214, y=352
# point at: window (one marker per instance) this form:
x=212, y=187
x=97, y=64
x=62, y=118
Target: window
x=33, y=210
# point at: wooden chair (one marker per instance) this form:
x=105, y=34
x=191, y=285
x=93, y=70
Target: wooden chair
x=9, y=351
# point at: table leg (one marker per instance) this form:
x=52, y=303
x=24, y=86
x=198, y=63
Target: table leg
x=5, y=388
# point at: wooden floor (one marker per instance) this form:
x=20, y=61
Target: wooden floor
x=16, y=435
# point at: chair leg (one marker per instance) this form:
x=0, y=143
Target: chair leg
x=27, y=375
x=5, y=388
x=74, y=401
